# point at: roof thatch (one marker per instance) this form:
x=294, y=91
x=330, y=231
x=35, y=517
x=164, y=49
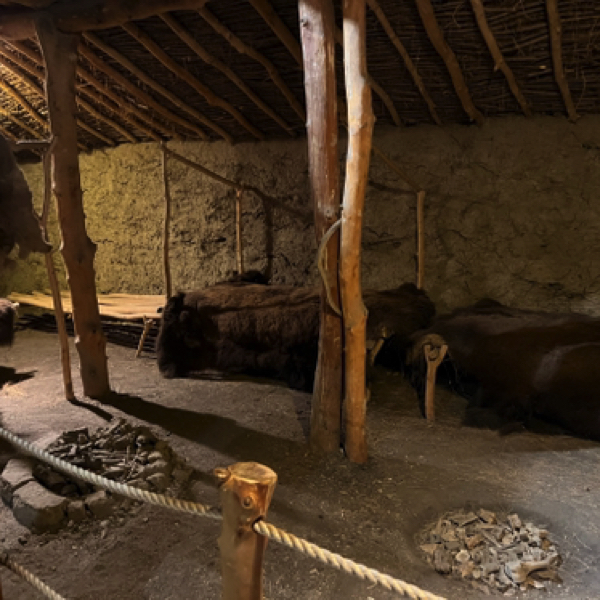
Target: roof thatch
x=224, y=73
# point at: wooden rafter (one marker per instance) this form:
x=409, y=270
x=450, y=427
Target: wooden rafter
x=184, y=35
x=141, y=96
x=436, y=35
x=7, y=134
x=248, y=50
x=155, y=50
x=499, y=62
x=21, y=124
x=410, y=65
x=557, y=61
x=125, y=109
x=21, y=101
x=265, y=10
x=40, y=92
x=110, y=122
x=88, y=15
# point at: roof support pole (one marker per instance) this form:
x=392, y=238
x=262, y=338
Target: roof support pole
x=360, y=132
x=60, y=55
x=317, y=30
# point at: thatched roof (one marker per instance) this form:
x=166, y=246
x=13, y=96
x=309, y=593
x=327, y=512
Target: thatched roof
x=225, y=73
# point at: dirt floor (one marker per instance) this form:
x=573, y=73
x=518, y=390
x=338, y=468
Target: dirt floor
x=371, y=513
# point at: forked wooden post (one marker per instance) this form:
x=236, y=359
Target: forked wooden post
x=317, y=29
x=60, y=56
x=421, y=239
x=360, y=130
x=59, y=315
x=239, y=249
x=167, y=225
x=246, y=490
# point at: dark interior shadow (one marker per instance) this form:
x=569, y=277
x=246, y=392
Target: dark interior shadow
x=100, y=412
x=213, y=431
x=8, y=375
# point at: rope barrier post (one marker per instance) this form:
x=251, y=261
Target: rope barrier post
x=246, y=490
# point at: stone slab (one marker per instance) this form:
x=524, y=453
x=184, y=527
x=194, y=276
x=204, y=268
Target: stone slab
x=39, y=509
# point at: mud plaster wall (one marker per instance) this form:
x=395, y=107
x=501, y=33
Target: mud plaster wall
x=512, y=212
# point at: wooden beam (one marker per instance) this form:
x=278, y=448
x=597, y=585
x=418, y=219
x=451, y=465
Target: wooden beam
x=265, y=10
x=248, y=50
x=21, y=101
x=317, y=32
x=141, y=96
x=88, y=15
x=499, y=62
x=436, y=35
x=21, y=124
x=410, y=65
x=77, y=249
x=7, y=134
x=360, y=131
x=157, y=52
x=184, y=35
x=555, y=26
x=126, y=109
x=40, y=92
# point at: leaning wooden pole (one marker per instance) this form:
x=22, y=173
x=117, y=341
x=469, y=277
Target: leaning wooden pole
x=60, y=56
x=317, y=28
x=246, y=490
x=167, y=224
x=360, y=131
x=65, y=356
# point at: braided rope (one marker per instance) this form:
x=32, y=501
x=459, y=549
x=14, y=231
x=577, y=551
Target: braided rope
x=29, y=577
x=339, y=562
x=118, y=488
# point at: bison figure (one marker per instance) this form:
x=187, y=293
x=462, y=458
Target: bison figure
x=522, y=363
x=270, y=331
x=8, y=319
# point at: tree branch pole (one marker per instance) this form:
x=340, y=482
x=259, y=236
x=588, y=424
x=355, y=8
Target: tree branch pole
x=239, y=250
x=360, y=131
x=317, y=30
x=60, y=55
x=420, y=239
x=59, y=315
x=167, y=224
x=246, y=490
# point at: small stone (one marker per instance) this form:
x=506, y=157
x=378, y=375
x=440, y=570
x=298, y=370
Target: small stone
x=486, y=516
x=476, y=573
x=100, y=504
x=76, y=511
x=429, y=548
x=466, y=570
x=159, y=481
x=474, y=541
x=160, y=466
x=39, y=509
x=22, y=540
x=442, y=561
x=514, y=521
x=17, y=473
x=453, y=546
x=82, y=439
x=140, y=484
x=154, y=456
x=462, y=557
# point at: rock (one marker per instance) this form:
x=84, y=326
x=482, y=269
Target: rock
x=159, y=481
x=38, y=509
x=76, y=511
x=474, y=541
x=514, y=521
x=100, y=504
x=142, y=484
x=429, y=548
x=154, y=456
x=487, y=516
x=69, y=490
x=181, y=475
x=462, y=557
x=54, y=481
x=17, y=473
x=442, y=561
x=160, y=466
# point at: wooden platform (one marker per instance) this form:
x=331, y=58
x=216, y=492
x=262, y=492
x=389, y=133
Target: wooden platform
x=118, y=306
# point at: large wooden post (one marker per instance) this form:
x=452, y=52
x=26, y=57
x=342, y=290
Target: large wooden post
x=317, y=28
x=246, y=490
x=60, y=56
x=360, y=130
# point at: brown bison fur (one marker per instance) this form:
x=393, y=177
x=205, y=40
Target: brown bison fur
x=8, y=318
x=18, y=221
x=269, y=331
x=527, y=363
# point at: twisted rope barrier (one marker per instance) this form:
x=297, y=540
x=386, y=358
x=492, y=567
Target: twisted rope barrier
x=118, y=488
x=260, y=527
x=29, y=577
x=343, y=564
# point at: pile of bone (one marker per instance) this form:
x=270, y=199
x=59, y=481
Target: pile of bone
x=121, y=452
x=497, y=553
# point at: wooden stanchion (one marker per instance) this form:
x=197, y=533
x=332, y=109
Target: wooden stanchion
x=246, y=490
x=239, y=251
x=59, y=314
